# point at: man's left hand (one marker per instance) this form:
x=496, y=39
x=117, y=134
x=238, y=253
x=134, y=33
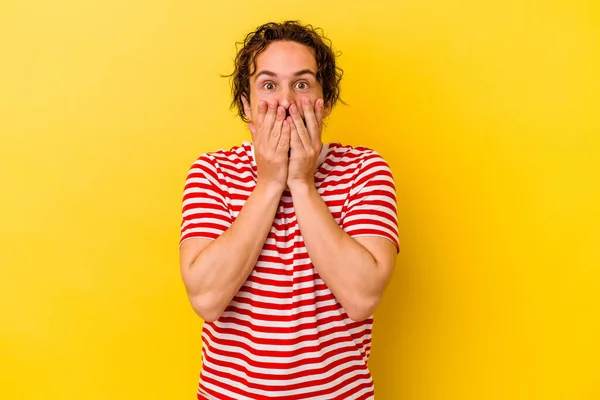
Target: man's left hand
x=305, y=142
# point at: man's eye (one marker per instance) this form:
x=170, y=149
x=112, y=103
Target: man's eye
x=302, y=85
x=269, y=86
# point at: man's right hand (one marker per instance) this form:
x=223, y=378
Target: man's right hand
x=271, y=136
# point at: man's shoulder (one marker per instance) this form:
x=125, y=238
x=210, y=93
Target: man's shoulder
x=233, y=155
x=353, y=155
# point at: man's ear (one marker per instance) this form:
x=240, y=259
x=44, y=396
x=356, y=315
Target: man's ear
x=247, y=109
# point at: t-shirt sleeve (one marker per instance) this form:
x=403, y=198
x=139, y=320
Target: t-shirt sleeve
x=372, y=208
x=204, y=210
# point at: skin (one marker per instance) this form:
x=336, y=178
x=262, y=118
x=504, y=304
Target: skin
x=286, y=111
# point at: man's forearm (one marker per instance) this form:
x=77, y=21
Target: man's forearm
x=218, y=272
x=346, y=267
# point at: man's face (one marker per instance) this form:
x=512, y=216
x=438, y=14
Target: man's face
x=286, y=72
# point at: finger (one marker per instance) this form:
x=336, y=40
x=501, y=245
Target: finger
x=276, y=131
x=319, y=112
x=299, y=126
x=262, y=110
x=296, y=145
x=269, y=119
x=283, y=146
x=310, y=117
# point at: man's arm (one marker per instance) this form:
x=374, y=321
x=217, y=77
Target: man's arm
x=356, y=270
x=214, y=270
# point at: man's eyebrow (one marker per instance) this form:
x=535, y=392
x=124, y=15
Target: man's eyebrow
x=305, y=71
x=264, y=72
x=299, y=73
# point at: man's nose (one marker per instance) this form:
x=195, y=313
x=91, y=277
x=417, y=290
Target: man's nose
x=286, y=99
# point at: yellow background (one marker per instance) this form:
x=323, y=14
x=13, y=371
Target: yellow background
x=487, y=111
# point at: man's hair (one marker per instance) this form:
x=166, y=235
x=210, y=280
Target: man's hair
x=329, y=74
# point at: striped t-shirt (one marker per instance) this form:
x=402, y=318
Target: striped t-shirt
x=284, y=335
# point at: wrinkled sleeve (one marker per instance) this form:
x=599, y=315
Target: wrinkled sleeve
x=205, y=213
x=372, y=207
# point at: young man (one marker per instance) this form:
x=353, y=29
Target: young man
x=287, y=243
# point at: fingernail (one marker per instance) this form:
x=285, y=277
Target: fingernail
x=274, y=103
x=261, y=104
x=293, y=109
x=320, y=102
x=305, y=100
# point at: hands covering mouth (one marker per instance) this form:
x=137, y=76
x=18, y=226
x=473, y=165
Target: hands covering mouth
x=288, y=142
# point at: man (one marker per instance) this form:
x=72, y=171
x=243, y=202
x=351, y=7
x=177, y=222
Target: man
x=287, y=243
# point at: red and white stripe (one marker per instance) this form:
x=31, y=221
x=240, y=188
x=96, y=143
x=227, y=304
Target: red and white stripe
x=284, y=335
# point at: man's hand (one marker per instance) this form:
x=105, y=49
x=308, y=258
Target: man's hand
x=305, y=142
x=271, y=136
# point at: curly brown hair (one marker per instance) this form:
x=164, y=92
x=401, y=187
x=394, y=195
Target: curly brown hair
x=329, y=74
